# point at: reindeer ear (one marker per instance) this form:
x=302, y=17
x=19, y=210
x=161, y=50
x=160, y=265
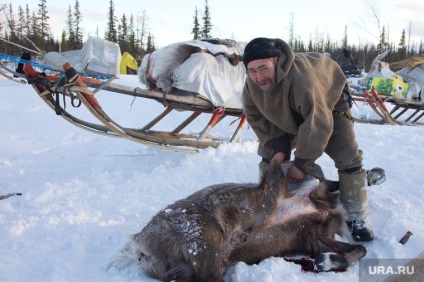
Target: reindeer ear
x=274, y=177
x=328, y=192
x=332, y=186
x=327, y=187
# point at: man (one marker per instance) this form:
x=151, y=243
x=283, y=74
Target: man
x=345, y=59
x=304, y=99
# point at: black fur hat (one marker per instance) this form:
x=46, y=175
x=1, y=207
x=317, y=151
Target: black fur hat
x=261, y=48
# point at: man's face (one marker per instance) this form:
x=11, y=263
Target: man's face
x=262, y=72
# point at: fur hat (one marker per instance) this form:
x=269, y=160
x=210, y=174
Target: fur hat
x=261, y=48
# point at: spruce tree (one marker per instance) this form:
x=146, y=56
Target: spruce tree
x=150, y=44
x=27, y=21
x=310, y=46
x=77, y=25
x=196, y=28
x=13, y=37
x=71, y=33
x=382, y=44
x=132, y=48
x=111, y=33
x=33, y=33
x=402, y=47
x=44, y=25
x=123, y=34
x=64, y=43
x=344, y=41
x=11, y=23
x=207, y=25
x=412, y=51
x=21, y=22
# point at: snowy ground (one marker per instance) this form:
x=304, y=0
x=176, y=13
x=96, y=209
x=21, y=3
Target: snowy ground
x=83, y=194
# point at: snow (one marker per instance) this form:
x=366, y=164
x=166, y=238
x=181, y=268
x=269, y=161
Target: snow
x=84, y=194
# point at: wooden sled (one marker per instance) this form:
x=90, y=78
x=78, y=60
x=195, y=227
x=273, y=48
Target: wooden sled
x=404, y=111
x=52, y=89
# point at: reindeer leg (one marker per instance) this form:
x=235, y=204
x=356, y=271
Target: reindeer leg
x=336, y=255
x=292, y=237
x=208, y=263
x=263, y=243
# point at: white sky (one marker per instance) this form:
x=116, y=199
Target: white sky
x=172, y=21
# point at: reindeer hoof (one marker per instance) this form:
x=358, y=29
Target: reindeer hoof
x=330, y=262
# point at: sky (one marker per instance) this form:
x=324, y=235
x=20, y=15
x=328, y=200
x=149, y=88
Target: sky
x=172, y=21
x=84, y=194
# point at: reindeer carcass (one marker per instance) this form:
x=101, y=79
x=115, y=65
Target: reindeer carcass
x=197, y=238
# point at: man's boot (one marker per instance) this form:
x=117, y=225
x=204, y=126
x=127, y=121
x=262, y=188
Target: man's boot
x=375, y=176
x=353, y=195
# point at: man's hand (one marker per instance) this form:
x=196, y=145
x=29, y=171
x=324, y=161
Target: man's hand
x=295, y=175
x=278, y=158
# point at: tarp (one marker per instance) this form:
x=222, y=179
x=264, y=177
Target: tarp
x=200, y=67
x=413, y=75
x=405, y=83
x=97, y=57
x=127, y=61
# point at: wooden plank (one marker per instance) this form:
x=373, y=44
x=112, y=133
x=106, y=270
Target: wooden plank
x=190, y=102
x=186, y=122
x=158, y=118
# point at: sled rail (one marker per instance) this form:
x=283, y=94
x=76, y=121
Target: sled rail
x=189, y=102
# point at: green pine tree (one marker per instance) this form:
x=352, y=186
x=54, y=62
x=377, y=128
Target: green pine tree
x=77, y=25
x=196, y=28
x=71, y=33
x=402, y=47
x=207, y=25
x=111, y=33
x=44, y=25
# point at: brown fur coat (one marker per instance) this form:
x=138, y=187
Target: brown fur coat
x=309, y=85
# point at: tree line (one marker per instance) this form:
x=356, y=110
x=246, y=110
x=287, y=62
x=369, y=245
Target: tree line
x=31, y=30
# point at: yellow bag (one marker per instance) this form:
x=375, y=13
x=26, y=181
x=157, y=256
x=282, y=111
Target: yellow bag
x=386, y=86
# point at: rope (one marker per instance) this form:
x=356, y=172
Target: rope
x=67, y=86
x=343, y=114
x=350, y=101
